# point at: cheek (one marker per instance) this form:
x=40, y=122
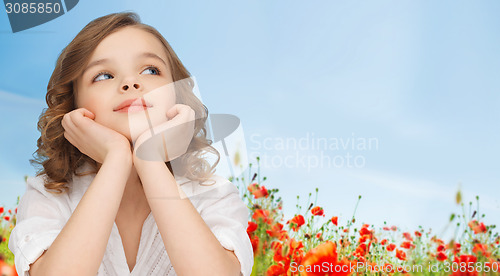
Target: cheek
x=162, y=98
x=94, y=102
x=95, y=106
x=170, y=101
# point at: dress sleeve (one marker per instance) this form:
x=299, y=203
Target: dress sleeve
x=227, y=216
x=39, y=221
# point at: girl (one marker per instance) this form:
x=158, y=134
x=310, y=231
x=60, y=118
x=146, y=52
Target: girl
x=104, y=203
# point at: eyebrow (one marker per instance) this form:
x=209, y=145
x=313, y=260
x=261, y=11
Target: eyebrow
x=152, y=55
x=143, y=55
x=94, y=63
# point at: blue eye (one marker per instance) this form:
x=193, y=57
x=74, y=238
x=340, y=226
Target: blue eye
x=151, y=71
x=102, y=76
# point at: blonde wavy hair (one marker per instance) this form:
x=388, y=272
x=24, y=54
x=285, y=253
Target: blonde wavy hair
x=58, y=159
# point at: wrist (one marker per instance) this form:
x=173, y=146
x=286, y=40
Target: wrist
x=120, y=155
x=146, y=166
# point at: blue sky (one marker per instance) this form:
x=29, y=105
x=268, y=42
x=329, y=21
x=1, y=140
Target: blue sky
x=421, y=77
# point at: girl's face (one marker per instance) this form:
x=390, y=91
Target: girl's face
x=127, y=65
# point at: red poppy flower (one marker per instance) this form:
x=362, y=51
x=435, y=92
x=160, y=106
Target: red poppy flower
x=481, y=248
x=335, y=220
x=325, y=253
x=287, y=251
x=477, y=227
x=364, y=238
x=318, y=211
x=257, y=190
x=7, y=218
x=283, y=236
x=1, y=210
x=6, y=269
x=362, y=249
x=278, y=252
x=436, y=240
x=252, y=226
x=400, y=254
x=418, y=234
x=441, y=256
x=276, y=270
x=275, y=230
x=407, y=236
x=456, y=248
x=407, y=245
x=391, y=247
x=296, y=222
x=465, y=261
x=255, y=244
x=263, y=215
x=365, y=231
x=402, y=269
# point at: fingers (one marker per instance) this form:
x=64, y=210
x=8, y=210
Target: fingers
x=82, y=118
x=75, y=122
x=67, y=123
x=171, y=139
x=86, y=113
x=69, y=129
x=172, y=112
x=181, y=110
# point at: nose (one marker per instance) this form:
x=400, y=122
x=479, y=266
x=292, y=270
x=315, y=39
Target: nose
x=130, y=85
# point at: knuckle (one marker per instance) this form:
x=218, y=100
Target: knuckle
x=72, y=114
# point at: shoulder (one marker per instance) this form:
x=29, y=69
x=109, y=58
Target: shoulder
x=68, y=199
x=37, y=184
x=37, y=201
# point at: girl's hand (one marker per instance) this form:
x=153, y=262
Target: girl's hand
x=91, y=138
x=168, y=140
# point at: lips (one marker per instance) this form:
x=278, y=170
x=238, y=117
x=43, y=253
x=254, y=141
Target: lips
x=137, y=104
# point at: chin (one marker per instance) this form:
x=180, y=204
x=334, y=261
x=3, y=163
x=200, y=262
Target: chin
x=139, y=123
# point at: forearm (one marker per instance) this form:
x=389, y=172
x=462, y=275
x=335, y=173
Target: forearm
x=191, y=246
x=79, y=248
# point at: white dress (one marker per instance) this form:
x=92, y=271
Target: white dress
x=42, y=215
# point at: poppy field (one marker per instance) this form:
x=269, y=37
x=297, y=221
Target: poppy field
x=315, y=241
